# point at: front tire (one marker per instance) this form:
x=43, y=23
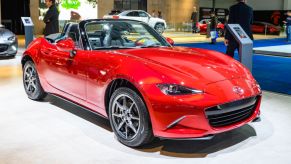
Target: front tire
x=129, y=118
x=31, y=82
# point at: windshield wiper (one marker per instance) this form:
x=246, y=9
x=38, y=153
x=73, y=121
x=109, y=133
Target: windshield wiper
x=151, y=46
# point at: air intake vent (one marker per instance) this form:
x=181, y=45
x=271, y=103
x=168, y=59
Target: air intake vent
x=231, y=113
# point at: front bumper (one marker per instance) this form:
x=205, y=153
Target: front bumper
x=8, y=49
x=185, y=117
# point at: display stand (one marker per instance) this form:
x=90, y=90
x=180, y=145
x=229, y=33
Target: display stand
x=245, y=45
x=28, y=29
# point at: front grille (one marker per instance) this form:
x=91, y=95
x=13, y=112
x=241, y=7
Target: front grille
x=231, y=113
x=3, y=47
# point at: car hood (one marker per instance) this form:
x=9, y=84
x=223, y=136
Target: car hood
x=203, y=65
x=5, y=33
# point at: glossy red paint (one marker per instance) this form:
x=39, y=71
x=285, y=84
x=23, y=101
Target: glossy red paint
x=85, y=78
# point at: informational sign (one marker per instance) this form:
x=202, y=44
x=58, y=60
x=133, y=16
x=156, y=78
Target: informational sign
x=27, y=21
x=28, y=30
x=72, y=9
x=245, y=44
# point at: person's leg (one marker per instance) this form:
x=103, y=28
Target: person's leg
x=230, y=51
x=194, y=28
x=231, y=48
x=289, y=33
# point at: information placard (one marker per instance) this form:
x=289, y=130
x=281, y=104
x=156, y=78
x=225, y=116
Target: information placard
x=245, y=44
x=27, y=21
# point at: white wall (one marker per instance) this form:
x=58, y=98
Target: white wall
x=255, y=4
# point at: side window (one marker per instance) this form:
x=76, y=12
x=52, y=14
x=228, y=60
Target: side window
x=133, y=14
x=74, y=34
x=143, y=14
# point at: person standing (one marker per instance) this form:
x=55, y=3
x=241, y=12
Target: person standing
x=213, y=25
x=194, y=20
x=160, y=15
x=51, y=18
x=288, y=26
x=241, y=14
x=154, y=13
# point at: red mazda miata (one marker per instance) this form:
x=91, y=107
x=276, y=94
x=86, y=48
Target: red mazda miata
x=126, y=71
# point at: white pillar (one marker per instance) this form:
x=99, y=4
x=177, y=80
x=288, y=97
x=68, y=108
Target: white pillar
x=287, y=5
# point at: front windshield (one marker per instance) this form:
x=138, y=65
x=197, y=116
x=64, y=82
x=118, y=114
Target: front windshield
x=122, y=34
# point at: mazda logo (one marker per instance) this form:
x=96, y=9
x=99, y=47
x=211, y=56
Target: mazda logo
x=238, y=90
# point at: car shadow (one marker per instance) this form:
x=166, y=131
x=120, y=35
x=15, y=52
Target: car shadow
x=79, y=111
x=200, y=148
x=171, y=148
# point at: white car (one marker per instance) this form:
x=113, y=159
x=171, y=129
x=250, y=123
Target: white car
x=158, y=24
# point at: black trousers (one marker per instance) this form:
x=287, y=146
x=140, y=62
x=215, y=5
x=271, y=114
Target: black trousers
x=194, y=26
x=232, y=46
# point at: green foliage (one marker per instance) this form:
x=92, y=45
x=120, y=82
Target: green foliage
x=71, y=4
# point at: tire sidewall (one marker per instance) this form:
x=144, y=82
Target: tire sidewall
x=145, y=127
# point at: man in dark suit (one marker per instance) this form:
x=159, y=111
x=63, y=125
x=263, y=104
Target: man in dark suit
x=242, y=14
x=194, y=20
x=51, y=18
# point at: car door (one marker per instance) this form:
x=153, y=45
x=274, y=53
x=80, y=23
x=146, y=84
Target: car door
x=64, y=72
x=144, y=17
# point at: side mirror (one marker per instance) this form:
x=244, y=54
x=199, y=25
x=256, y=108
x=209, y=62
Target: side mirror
x=66, y=44
x=171, y=41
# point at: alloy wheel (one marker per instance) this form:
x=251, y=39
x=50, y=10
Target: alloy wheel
x=30, y=78
x=125, y=116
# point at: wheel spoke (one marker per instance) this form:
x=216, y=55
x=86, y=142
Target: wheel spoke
x=117, y=115
x=119, y=105
x=130, y=108
x=126, y=131
x=134, y=118
x=120, y=125
x=28, y=87
x=124, y=102
x=33, y=85
x=133, y=128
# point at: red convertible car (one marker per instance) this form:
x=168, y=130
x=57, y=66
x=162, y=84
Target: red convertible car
x=125, y=71
x=264, y=27
x=202, y=27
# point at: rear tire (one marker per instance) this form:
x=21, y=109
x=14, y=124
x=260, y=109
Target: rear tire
x=160, y=28
x=129, y=118
x=31, y=82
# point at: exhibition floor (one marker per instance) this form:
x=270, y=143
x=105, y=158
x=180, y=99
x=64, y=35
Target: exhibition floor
x=55, y=131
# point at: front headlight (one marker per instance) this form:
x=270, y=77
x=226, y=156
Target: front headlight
x=12, y=38
x=173, y=89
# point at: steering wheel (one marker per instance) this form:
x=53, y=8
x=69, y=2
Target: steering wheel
x=141, y=38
